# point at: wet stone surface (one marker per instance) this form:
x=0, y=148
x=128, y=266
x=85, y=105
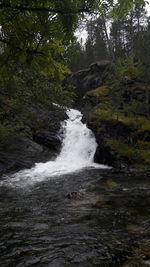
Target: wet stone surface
x=105, y=222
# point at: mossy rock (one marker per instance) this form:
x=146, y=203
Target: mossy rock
x=122, y=149
x=140, y=167
x=110, y=114
x=129, y=152
x=99, y=92
x=144, y=155
x=143, y=145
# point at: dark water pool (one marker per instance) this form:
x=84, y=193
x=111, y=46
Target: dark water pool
x=105, y=222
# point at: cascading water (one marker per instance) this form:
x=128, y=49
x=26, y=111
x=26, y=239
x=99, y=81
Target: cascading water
x=78, y=149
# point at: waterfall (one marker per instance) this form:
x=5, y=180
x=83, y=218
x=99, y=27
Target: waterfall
x=77, y=152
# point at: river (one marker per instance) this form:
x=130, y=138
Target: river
x=72, y=212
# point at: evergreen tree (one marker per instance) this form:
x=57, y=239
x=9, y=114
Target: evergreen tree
x=96, y=47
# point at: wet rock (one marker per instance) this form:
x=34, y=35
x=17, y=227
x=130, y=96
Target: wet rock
x=99, y=204
x=23, y=155
x=82, y=200
x=105, y=130
x=75, y=195
x=48, y=139
x=136, y=263
x=42, y=145
x=40, y=226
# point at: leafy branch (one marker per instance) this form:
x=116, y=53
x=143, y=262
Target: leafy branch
x=44, y=9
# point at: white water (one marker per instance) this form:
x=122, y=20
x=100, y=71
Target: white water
x=78, y=149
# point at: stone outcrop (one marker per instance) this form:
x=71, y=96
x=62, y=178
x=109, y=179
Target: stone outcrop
x=123, y=140
x=43, y=144
x=88, y=79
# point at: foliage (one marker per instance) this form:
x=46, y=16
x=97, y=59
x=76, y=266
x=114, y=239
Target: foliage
x=34, y=37
x=125, y=95
x=75, y=55
x=31, y=57
x=123, y=6
x=126, y=70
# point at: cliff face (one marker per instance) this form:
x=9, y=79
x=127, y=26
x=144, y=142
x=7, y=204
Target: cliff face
x=123, y=139
x=86, y=80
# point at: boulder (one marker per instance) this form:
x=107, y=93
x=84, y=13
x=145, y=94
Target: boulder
x=42, y=145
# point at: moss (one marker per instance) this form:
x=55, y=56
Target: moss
x=145, y=125
x=143, y=145
x=99, y=92
x=112, y=184
x=139, y=123
x=144, y=155
x=133, y=154
x=139, y=86
x=104, y=114
x=123, y=149
x=6, y=134
x=140, y=167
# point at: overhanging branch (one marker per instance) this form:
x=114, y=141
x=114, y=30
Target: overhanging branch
x=44, y=9
x=26, y=50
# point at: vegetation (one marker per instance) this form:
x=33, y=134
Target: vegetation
x=123, y=100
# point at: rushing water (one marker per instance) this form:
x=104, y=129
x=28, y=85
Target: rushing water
x=78, y=149
x=73, y=213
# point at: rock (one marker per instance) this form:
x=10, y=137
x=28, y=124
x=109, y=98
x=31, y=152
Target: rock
x=100, y=65
x=75, y=195
x=23, y=154
x=99, y=204
x=43, y=144
x=48, y=139
x=87, y=79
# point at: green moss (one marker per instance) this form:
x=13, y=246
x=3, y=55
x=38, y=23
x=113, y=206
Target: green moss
x=140, y=123
x=139, y=86
x=143, y=145
x=99, y=92
x=140, y=167
x=123, y=149
x=133, y=154
x=104, y=114
x=112, y=184
x=6, y=134
x=144, y=155
x=145, y=125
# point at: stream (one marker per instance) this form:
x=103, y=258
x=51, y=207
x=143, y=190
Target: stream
x=72, y=212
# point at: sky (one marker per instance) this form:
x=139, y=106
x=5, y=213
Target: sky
x=148, y=7
x=83, y=33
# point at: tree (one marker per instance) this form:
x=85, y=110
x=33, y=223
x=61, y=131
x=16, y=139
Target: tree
x=125, y=32
x=75, y=55
x=95, y=46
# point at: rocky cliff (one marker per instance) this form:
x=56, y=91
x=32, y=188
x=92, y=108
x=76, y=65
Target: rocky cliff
x=123, y=139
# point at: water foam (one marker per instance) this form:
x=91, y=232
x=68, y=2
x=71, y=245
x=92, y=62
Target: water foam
x=78, y=149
